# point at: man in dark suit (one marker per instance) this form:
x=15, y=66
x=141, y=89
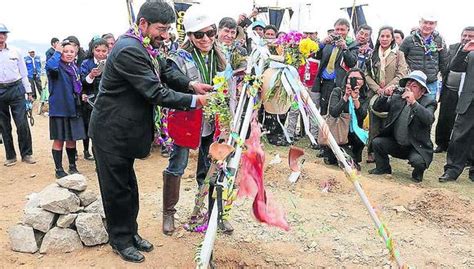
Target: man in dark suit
x=338, y=55
x=449, y=95
x=121, y=125
x=408, y=128
x=462, y=140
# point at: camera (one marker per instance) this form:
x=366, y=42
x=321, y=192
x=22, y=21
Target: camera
x=262, y=9
x=353, y=82
x=335, y=38
x=399, y=90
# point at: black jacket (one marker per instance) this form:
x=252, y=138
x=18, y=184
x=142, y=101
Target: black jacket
x=122, y=119
x=337, y=105
x=464, y=62
x=417, y=59
x=419, y=125
x=349, y=56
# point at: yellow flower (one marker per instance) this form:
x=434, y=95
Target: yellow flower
x=308, y=46
x=218, y=80
x=289, y=58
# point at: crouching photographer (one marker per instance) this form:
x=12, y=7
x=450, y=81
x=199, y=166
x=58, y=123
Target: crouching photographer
x=348, y=106
x=407, y=132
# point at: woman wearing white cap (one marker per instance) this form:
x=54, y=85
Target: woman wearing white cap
x=200, y=59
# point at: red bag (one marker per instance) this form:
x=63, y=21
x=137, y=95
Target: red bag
x=184, y=127
x=308, y=72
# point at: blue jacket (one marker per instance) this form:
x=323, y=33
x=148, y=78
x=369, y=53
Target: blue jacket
x=86, y=68
x=61, y=89
x=31, y=67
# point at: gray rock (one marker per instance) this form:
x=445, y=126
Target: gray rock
x=75, y=182
x=87, y=197
x=96, y=207
x=22, y=239
x=91, y=230
x=39, y=219
x=58, y=200
x=60, y=240
x=33, y=201
x=65, y=221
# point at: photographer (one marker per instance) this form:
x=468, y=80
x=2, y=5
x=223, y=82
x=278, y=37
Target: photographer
x=406, y=134
x=338, y=54
x=65, y=119
x=91, y=71
x=353, y=94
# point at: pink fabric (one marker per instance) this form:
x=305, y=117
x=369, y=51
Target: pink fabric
x=251, y=182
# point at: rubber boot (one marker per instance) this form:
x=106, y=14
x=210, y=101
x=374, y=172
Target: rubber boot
x=171, y=185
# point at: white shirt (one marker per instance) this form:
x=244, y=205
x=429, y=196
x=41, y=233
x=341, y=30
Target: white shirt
x=13, y=68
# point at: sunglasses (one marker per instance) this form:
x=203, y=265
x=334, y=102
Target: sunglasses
x=211, y=33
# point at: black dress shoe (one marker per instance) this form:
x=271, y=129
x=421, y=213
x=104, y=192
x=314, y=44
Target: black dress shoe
x=142, y=244
x=446, y=177
x=417, y=175
x=130, y=254
x=379, y=171
x=439, y=149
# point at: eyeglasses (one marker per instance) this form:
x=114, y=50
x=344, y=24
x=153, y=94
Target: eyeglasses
x=211, y=33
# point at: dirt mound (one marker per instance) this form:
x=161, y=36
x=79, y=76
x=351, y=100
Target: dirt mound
x=444, y=209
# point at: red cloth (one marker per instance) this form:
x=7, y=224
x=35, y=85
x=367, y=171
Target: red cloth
x=251, y=183
x=184, y=127
x=312, y=71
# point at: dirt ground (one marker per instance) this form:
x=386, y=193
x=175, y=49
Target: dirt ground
x=431, y=223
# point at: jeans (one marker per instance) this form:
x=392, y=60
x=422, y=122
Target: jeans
x=179, y=160
x=12, y=104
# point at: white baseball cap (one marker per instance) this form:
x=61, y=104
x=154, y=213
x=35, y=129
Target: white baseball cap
x=197, y=18
x=429, y=17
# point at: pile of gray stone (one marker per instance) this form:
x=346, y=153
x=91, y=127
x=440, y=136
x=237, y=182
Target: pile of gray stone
x=63, y=217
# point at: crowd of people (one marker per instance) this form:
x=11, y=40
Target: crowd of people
x=109, y=92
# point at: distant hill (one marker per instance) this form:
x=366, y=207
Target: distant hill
x=24, y=46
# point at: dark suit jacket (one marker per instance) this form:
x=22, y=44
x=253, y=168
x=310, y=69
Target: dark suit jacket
x=122, y=120
x=349, y=56
x=464, y=62
x=419, y=125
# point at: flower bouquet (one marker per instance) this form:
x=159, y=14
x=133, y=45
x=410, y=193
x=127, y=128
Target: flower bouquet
x=277, y=98
x=218, y=104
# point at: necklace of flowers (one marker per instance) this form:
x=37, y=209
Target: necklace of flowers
x=161, y=121
x=429, y=45
x=136, y=33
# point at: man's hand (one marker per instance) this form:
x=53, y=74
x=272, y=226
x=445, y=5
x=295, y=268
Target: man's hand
x=200, y=88
x=201, y=100
x=409, y=97
x=84, y=97
x=341, y=43
x=469, y=46
x=328, y=40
